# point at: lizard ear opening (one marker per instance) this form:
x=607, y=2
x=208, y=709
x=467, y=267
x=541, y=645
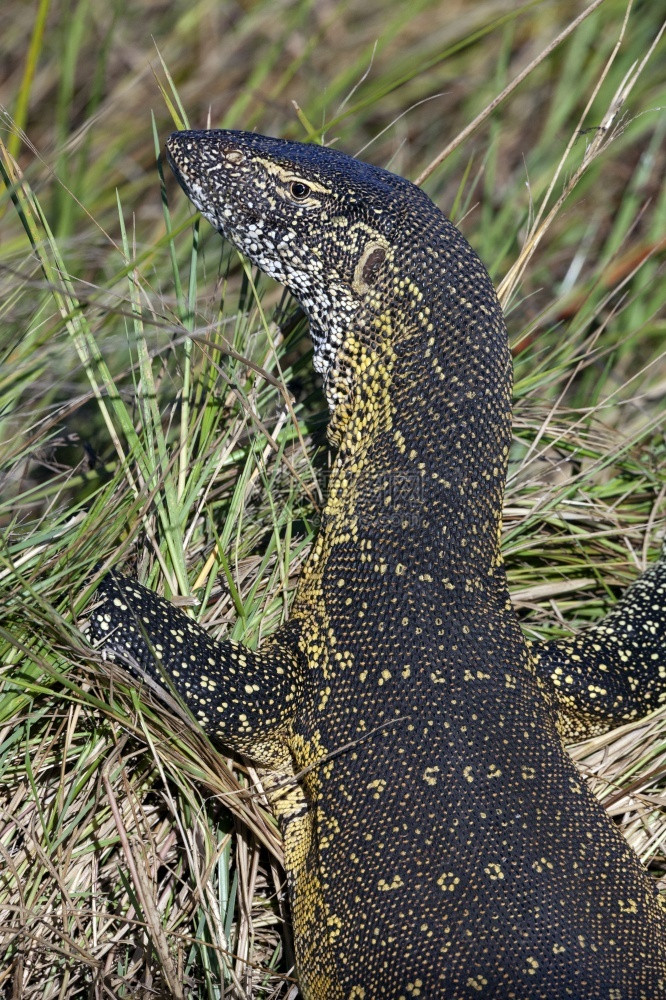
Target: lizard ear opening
x=367, y=270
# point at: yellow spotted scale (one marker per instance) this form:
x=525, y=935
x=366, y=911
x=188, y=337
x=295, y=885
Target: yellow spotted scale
x=439, y=842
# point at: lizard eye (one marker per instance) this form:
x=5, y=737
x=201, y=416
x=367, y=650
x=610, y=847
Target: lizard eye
x=299, y=190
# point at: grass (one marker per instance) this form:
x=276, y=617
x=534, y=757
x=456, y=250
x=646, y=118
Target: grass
x=158, y=412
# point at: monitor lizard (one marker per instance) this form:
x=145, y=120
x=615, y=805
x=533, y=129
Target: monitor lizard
x=439, y=842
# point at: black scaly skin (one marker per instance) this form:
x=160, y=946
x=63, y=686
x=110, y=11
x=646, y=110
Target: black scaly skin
x=439, y=841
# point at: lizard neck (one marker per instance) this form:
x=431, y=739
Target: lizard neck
x=423, y=433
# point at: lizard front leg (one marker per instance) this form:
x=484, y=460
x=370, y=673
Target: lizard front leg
x=244, y=698
x=613, y=672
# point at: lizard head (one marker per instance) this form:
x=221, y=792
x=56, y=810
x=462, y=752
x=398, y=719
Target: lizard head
x=318, y=221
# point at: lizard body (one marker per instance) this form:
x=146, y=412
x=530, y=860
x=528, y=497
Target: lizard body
x=438, y=840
